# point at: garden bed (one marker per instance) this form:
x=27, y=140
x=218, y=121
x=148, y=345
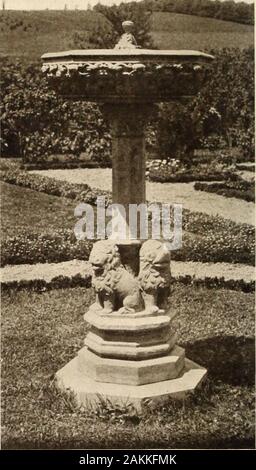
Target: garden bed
x=12, y=174
x=38, y=227
x=240, y=189
x=177, y=172
x=43, y=331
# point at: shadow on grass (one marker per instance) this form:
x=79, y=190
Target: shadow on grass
x=227, y=358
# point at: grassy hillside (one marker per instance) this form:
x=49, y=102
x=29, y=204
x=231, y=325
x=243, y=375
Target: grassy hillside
x=177, y=31
x=31, y=33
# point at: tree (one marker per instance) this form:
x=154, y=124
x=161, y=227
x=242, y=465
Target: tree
x=132, y=11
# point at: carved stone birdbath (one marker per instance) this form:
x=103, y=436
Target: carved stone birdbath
x=130, y=352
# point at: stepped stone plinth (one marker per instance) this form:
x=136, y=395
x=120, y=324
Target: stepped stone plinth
x=130, y=353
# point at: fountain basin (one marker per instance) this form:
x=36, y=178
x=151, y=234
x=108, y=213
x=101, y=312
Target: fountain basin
x=127, y=75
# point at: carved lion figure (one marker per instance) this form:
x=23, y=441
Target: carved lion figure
x=114, y=286
x=154, y=275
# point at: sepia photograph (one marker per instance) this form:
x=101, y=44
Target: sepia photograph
x=127, y=229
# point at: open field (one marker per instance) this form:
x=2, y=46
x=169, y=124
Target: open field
x=43, y=331
x=29, y=34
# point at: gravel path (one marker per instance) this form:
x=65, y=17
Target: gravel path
x=230, y=208
x=246, y=175
x=48, y=271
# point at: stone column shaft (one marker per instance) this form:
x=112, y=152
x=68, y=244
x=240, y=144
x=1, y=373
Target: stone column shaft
x=127, y=125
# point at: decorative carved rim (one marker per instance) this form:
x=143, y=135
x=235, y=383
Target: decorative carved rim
x=88, y=69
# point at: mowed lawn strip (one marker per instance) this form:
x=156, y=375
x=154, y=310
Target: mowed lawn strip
x=42, y=332
x=26, y=211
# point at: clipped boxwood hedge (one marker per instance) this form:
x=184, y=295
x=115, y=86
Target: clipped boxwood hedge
x=40, y=285
x=78, y=280
x=14, y=175
x=63, y=246
x=164, y=174
x=53, y=247
x=240, y=189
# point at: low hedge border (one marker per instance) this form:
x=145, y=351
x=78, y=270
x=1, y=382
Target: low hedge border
x=44, y=248
x=40, y=285
x=224, y=240
x=163, y=176
x=246, y=167
x=238, y=189
x=63, y=246
x=62, y=282
x=63, y=165
x=217, y=283
x=80, y=192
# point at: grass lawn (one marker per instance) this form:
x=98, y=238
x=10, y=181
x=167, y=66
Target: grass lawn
x=28, y=34
x=42, y=331
x=25, y=211
x=178, y=31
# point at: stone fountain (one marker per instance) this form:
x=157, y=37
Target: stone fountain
x=130, y=353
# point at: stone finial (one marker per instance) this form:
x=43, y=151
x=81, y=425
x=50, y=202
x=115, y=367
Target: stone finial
x=127, y=26
x=127, y=40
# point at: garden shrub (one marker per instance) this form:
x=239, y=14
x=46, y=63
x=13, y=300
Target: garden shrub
x=45, y=124
x=36, y=123
x=224, y=109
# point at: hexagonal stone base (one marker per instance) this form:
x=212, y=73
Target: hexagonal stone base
x=88, y=392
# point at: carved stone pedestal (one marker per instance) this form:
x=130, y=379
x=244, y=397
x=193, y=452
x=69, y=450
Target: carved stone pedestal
x=130, y=353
